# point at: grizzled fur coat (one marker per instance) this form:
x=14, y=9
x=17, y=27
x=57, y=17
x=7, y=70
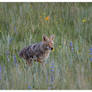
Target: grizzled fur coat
x=38, y=51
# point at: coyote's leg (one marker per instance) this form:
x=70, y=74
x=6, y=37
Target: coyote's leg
x=43, y=66
x=29, y=62
x=38, y=60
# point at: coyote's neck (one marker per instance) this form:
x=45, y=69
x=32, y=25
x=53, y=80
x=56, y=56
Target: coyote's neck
x=43, y=48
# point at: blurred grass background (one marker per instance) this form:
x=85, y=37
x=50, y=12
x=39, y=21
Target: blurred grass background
x=69, y=65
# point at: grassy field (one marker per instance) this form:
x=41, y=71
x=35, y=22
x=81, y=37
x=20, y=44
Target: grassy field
x=69, y=66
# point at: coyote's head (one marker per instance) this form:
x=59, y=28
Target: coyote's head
x=48, y=43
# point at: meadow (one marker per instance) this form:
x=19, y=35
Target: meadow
x=69, y=65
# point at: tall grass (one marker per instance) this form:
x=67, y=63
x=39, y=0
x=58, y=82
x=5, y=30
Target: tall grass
x=69, y=66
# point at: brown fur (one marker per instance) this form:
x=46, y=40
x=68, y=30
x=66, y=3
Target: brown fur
x=38, y=51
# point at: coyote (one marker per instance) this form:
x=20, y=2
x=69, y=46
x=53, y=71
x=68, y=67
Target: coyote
x=39, y=51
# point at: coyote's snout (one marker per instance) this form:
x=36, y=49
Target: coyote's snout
x=38, y=51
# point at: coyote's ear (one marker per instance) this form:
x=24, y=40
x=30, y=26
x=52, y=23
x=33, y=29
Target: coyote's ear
x=52, y=37
x=44, y=38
